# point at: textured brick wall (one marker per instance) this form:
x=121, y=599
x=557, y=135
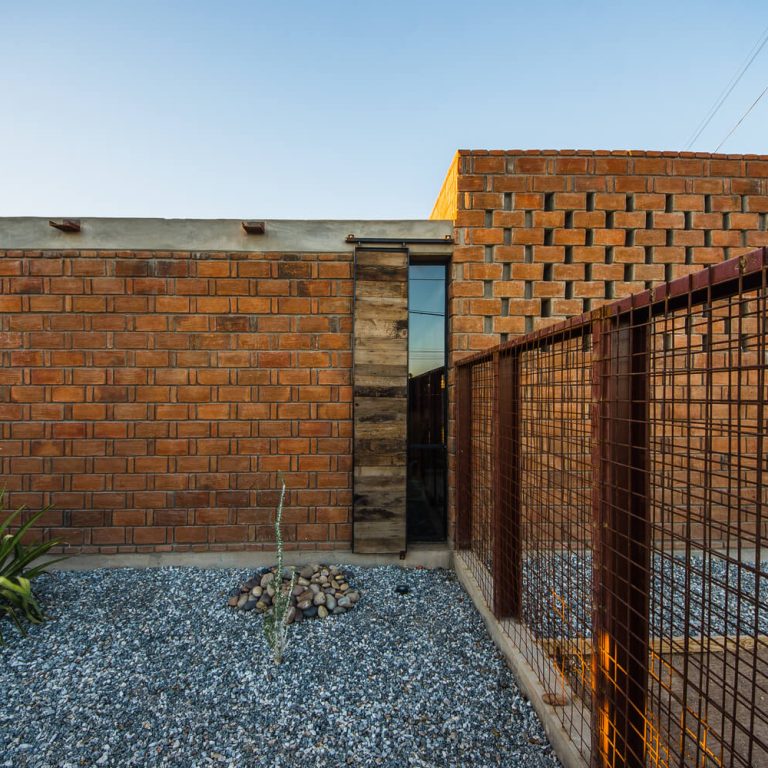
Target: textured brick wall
x=547, y=235
x=151, y=398
x=544, y=235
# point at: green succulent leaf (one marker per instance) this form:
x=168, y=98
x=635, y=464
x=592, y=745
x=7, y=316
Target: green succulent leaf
x=18, y=566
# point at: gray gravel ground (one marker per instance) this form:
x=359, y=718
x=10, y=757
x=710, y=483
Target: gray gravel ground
x=148, y=668
x=693, y=596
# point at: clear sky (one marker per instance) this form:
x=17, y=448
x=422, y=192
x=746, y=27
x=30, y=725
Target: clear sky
x=345, y=109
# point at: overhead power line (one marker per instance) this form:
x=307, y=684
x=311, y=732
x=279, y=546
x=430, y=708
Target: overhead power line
x=743, y=117
x=726, y=92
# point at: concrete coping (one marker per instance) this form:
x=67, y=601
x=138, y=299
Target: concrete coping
x=228, y=235
x=424, y=556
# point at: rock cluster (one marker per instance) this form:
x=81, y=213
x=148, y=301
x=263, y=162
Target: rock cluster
x=320, y=591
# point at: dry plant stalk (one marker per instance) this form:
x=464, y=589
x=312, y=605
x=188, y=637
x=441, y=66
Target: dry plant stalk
x=276, y=622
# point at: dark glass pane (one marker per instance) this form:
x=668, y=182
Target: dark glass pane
x=426, y=403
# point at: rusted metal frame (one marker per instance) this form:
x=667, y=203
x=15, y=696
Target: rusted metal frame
x=621, y=546
x=463, y=536
x=724, y=279
x=762, y=332
x=507, y=560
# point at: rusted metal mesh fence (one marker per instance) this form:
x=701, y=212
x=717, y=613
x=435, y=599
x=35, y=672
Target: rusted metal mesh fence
x=611, y=498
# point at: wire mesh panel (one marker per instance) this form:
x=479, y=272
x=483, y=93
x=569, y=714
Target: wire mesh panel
x=482, y=445
x=556, y=521
x=612, y=474
x=708, y=698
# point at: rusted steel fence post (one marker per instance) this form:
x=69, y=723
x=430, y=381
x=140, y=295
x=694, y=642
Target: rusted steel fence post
x=463, y=457
x=507, y=563
x=621, y=540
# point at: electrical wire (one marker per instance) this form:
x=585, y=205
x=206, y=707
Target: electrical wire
x=726, y=92
x=743, y=117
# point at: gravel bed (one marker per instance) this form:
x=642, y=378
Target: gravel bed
x=723, y=597
x=149, y=668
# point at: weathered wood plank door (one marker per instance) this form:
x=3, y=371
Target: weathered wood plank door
x=380, y=384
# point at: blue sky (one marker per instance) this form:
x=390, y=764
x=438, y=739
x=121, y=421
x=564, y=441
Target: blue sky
x=344, y=109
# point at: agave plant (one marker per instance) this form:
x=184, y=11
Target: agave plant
x=17, y=601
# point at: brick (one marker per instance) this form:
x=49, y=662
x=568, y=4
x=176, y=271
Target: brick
x=649, y=202
x=508, y=219
x=688, y=202
x=112, y=535
x=650, y=237
x=568, y=271
x=487, y=236
x=528, y=200
x=548, y=253
x=525, y=272
x=548, y=219
x=566, y=306
x=743, y=221
x=630, y=255
x=614, y=237
x=591, y=290
x=757, y=203
x=508, y=288
x=547, y=289
x=530, y=165
x=149, y=535
x=527, y=236
x=757, y=169
x=610, y=202
x=611, y=165
x=483, y=271
x=694, y=237
x=569, y=165
x=725, y=238
x=569, y=236
x=669, y=220
x=589, y=253
x=570, y=200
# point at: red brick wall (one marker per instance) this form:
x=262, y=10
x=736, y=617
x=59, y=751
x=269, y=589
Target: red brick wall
x=544, y=235
x=151, y=398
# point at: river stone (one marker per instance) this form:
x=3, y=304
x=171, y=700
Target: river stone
x=317, y=586
x=306, y=572
x=290, y=615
